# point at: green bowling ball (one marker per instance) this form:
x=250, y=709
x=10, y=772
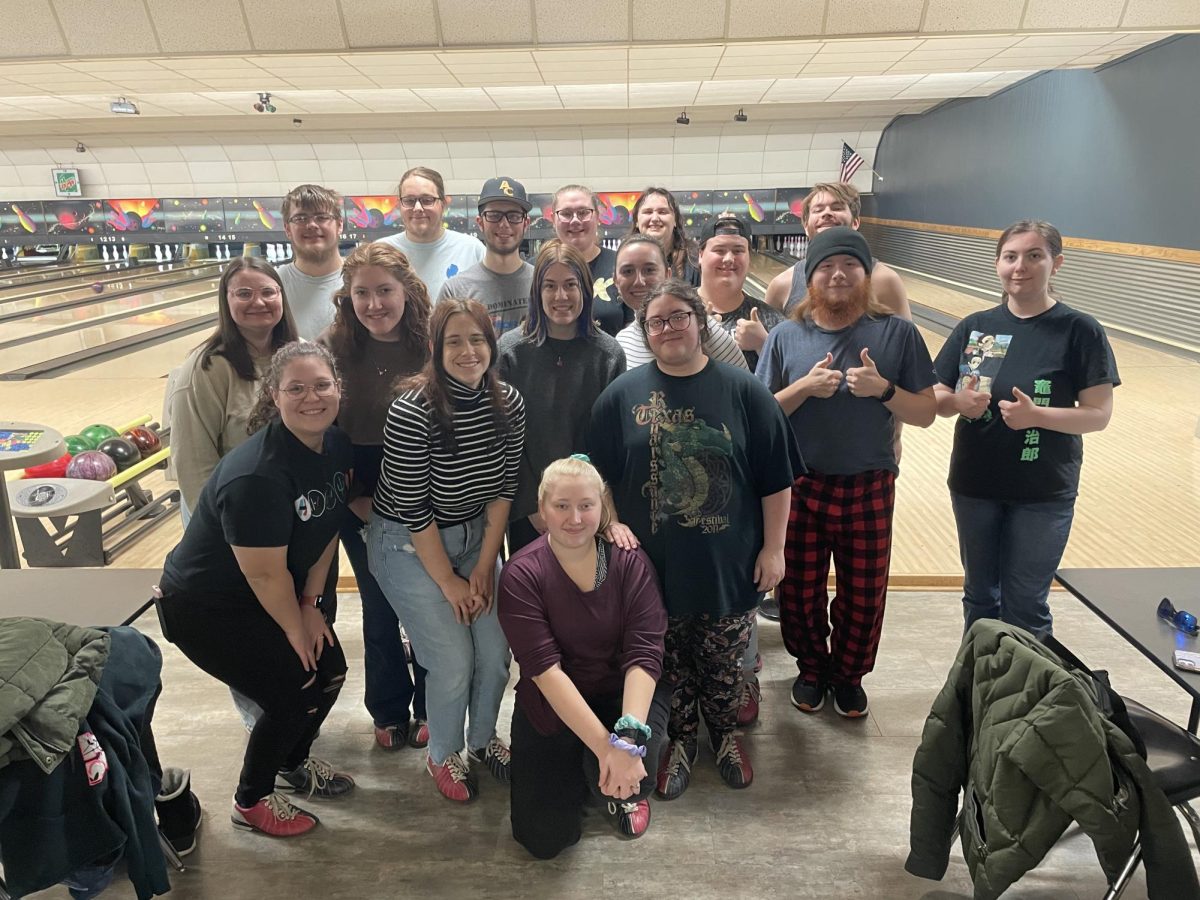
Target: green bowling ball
x=98, y=434
x=77, y=443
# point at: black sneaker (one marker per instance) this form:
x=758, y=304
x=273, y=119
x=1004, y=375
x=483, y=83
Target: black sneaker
x=315, y=778
x=850, y=700
x=808, y=696
x=675, y=769
x=497, y=757
x=178, y=810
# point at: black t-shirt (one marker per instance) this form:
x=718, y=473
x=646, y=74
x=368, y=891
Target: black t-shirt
x=1051, y=357
x=607, y=308
x=271, y=491
x=768, y=315
x=689, y=460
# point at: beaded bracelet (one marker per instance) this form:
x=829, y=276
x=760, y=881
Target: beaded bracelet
x=629, y=748
x=632, y=724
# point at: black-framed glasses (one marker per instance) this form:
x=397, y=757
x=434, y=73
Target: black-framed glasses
x=496, y=216
x=1177, y=618
x=679, y=321
x=583, y=214
x=302, y=219
x=426, y=201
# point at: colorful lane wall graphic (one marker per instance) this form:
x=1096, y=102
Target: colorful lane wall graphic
x=203, y=215
x=376, y=213
x=74, y=217
x=254, y=214
x=129, y=216
x=22, y=217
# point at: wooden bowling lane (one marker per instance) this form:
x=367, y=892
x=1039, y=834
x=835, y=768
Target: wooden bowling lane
x=25, y=297
x=40, y=274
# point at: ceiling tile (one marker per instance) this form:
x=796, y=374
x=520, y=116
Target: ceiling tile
x=30, y=30
x=594, y=96
x=971, y=15
x=295, y=25
x=740, y=92
x=486, y=22
x=1174, y=14
x=1082, y=41
x=456, y=98
x=528, y=97
x=663, y=94
x=677, y=20
x=184, y=26
x=390, y=23
x=880, y=45
x=846, y=68
x=1073, y=14
x=873, y=16
x=566, y=21
x=121, y=26
x=391, y=101
x=771, y=18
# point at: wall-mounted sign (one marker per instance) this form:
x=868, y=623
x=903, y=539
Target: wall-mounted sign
x=67, y=183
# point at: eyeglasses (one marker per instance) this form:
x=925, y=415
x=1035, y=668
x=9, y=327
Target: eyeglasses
x=1177, y=618
x=570, y=215
x=426, y=201
x=495, y=216
x=301, y=219
x=245, y=295
x=679, y=321
x=323, y=388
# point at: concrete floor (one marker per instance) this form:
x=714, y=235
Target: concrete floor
x=827, y=815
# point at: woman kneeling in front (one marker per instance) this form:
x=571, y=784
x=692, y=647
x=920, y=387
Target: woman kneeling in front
x=585, y=620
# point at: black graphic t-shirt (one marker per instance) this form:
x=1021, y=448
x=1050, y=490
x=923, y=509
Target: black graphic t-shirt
x=689, y=460
x=1051, y=357
x=607, y=308
x=271, y=491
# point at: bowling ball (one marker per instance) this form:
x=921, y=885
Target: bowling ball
x=99, y=433
x=77, y=443
x=55, y=469
x=92, y=465
x=122, y=451
x=98, y=287
x=144, y=439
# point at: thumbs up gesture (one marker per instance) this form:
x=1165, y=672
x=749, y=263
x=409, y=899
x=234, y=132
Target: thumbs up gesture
x=822, y=379
x=865, y=380
x=750, y=334
x=1021, y=412
x=971, y=401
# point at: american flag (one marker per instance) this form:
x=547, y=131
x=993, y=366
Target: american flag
x=851, y=162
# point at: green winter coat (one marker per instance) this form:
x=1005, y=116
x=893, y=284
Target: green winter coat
x=1024, y=740
x=49, y=673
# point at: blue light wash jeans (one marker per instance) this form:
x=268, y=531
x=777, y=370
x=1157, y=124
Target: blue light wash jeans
x=1009, y=553
x=467, y=664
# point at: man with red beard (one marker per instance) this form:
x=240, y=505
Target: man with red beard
x=845, y=370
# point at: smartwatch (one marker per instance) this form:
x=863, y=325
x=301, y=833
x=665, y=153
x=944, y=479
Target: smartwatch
x=889, y=393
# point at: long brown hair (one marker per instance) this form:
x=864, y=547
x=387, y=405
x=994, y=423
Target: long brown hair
x=348, y=336
x=555, y=252
x=264, y=407
x=434, y=382
x=227, y=340
x=680, y=252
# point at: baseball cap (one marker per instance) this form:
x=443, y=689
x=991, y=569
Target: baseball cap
x=725, y=223
x=504, y=188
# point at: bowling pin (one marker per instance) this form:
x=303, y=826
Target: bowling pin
x=158, y=252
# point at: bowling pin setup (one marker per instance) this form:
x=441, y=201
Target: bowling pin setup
x=278, y=253
x=120, y=252
x=791, y=244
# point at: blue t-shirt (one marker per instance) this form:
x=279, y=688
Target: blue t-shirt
x=452, y=253
x=844, y=434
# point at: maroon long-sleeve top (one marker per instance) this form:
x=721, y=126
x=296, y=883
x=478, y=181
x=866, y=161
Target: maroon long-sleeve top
x=595, y=636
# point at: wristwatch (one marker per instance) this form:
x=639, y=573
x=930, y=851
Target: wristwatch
x=888, y=393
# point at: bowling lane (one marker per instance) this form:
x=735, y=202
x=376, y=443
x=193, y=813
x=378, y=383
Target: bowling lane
x=164, y=298
x=38, y=350
x=42, y=273
x=82, y=289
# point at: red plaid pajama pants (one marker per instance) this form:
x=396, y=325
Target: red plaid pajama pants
x=848, y=518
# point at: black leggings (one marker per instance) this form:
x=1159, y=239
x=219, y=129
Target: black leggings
x=237, y=642
x=551, y=775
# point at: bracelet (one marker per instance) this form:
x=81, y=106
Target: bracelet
x=309, y=600
x=632, y=724
x=888, y=393
x=626, y=746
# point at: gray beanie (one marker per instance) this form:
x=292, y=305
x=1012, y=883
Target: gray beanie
x=835, y=241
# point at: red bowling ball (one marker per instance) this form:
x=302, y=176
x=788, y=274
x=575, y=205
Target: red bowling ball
x=55, y=469
x=144, y=439
x=92, y=465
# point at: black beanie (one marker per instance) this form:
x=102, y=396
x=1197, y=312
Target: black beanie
x=835, y=241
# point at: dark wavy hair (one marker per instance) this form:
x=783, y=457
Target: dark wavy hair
x=681, y=249
x=680, y=290
x=227, y=340
x=264, y=408
x=434, y=381
x=348, y=336
x=556, y=252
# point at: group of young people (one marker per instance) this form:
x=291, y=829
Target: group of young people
x=649, y=449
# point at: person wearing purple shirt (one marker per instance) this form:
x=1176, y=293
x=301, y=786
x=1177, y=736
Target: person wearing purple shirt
x=585, y=620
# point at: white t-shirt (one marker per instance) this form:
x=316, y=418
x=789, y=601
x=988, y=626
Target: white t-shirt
x=719, y=347
x=452, y=253
x=310, y=298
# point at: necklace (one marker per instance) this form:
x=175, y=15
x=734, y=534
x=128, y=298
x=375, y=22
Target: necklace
x=381, y=370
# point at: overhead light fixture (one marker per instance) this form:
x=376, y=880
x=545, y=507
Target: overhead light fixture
x=264, y=103
x=123, y=107
x=740, y=115
x=79, y=148
x=682, y=119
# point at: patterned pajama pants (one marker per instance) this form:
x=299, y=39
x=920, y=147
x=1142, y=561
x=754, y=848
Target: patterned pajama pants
x=848, y=517
x=703, y=663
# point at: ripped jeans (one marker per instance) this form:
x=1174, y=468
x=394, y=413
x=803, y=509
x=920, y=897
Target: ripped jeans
x=237, y=642
x=467, y=665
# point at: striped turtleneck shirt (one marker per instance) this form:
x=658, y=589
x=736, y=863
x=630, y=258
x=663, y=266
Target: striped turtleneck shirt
x=421, y=482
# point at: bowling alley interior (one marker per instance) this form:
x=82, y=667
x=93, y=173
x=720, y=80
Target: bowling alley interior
x=957, y=168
